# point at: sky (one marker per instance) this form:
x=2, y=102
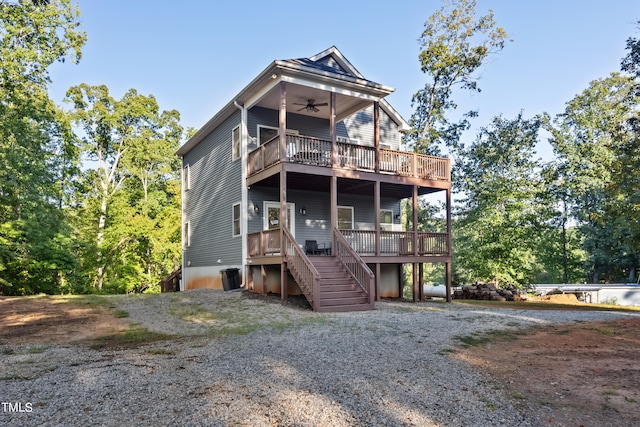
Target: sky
x=196, y=55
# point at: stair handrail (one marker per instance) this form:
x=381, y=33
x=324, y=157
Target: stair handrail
x=302, y=269
x=354, y=264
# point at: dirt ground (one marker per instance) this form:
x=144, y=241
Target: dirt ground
x=54, y=320
x=579, y=375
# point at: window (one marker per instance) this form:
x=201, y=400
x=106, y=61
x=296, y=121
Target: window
x=186, y=239
x=386, y=220
x=186, y=177
x=266, y=133
x=235, y=143
x=236, y=219
x=345, y=217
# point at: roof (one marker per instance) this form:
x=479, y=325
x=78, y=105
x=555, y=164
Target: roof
x=327, y=68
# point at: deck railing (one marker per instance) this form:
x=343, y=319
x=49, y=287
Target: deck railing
x=317, y=152
x=392, y=243
x=262, y=243
x=398, y=242
x=354, y=264
x=302, y=270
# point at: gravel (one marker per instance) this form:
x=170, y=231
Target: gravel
x=234, y=360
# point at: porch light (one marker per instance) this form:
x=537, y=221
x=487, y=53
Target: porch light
x=303, y=211
x=256, y=209
x=397, y=217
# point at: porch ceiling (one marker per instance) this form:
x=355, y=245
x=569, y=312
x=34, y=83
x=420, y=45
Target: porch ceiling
x=299, y=95
x=320, y=183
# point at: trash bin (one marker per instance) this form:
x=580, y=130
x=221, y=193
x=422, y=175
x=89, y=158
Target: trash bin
x=230, y=278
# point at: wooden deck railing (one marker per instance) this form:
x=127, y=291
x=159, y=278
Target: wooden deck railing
x=266, y=242
x=398, y=242
x=392, y=243
x=317, y=152
x=354, y=264
x=302, y=270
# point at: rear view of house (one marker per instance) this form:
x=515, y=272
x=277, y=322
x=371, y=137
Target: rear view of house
x=298, y=182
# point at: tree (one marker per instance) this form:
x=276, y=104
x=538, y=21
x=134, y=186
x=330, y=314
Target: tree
x=500, y=211
x=596, y=143
x=131, y=194
x=36, y=147
x=454, y=45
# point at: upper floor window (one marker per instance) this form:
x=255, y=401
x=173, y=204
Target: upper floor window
x=235, y=143
x=236, y=219
x=266, y=133
x=186, y=177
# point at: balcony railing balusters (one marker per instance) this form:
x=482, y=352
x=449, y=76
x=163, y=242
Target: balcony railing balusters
x=317, y=152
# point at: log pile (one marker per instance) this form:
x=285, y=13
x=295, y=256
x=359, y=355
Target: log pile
x=488, y=292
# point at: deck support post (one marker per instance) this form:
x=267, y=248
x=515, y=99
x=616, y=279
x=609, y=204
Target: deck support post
x=332, y=129
x=449, y=247
x=334, y=208
x=282, y=130
x=421, y=281
x=415, y=281
x=377, y=281
x=376, y=134
x=376, y=220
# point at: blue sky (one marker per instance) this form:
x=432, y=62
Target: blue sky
x=196, y=55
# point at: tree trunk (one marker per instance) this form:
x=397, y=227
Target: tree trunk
x=99, y=240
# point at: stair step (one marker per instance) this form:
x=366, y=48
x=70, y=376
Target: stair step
x=343, y=301
x=338, y=287
x=339, y=291
x=345, y=308
x=341, y=294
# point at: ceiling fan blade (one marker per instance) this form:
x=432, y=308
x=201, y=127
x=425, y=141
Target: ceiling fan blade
x=297, y=103
x=315, y=110
x=324, y=104
x=303, y=108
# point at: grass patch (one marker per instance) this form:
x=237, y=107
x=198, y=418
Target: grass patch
x=134, y=336
x=489, y=337
x=120, y=313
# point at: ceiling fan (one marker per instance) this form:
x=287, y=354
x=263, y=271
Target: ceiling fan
x=311, y=105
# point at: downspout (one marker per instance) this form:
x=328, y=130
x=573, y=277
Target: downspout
x=183, y=209
x=244, y=203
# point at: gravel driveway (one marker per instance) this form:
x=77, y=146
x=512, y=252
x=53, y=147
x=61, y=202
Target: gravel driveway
x=242, y=361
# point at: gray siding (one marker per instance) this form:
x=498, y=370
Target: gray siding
x=358, y=126
x=316, y=224
x=215, y=186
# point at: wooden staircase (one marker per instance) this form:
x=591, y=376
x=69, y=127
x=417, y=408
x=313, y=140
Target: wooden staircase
x=339, y=290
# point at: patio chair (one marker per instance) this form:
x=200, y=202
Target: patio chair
x=313, y=248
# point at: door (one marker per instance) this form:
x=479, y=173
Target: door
x=272, y=216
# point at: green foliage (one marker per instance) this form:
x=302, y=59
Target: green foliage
x=500, y=214
x=596, y=141
x=36, y=146
x=454, y=46
x=129, y=205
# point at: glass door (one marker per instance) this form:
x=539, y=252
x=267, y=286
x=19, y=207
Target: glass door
x=272, y=216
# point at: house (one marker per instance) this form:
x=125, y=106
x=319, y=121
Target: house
x=297, y=183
